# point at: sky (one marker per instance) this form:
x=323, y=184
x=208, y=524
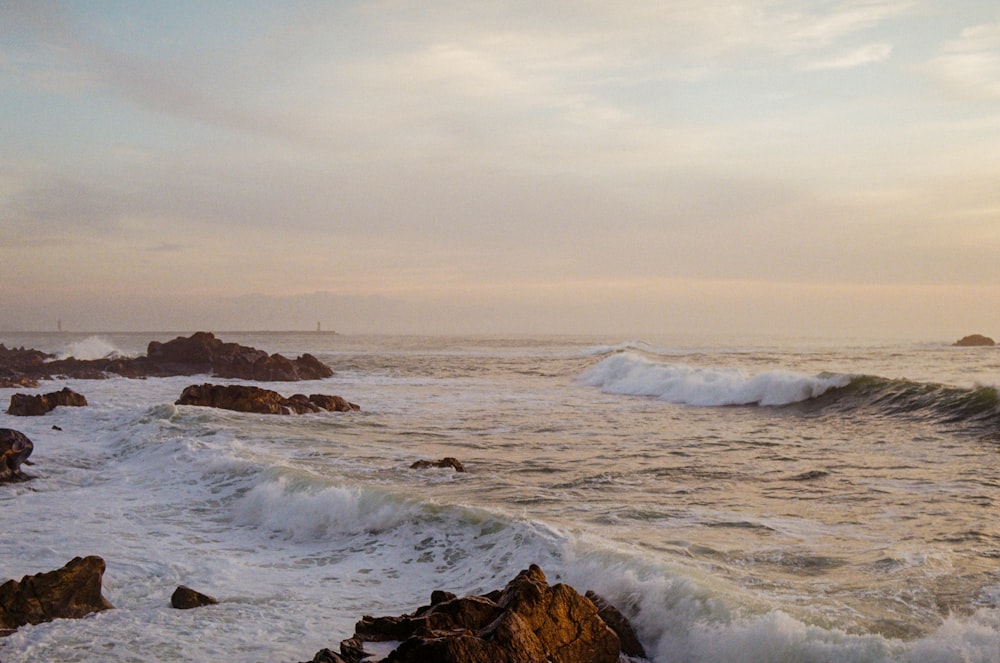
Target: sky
x=797, y=167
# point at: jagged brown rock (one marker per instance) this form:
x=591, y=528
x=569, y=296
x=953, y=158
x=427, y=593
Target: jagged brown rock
x=34, y=405
x=67, y=593
x=15, y=447
x=528, y=621
x=248, y=398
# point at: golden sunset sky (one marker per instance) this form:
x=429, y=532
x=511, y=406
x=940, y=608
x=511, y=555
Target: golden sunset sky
x=671, y=166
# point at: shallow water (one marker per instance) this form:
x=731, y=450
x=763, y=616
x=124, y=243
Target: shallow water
x=740, y=500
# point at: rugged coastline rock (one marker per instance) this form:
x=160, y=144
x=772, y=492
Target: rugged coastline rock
x=70, y=592
x=444, y=463
x=247, y=398
x=974, y=340
x=526, y=622
x=15, y=447
x=35, y=405
x=185, y=598
x=199, y=353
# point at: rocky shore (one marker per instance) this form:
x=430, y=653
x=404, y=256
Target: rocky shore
x=200, y=353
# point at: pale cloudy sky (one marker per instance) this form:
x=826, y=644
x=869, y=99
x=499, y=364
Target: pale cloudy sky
x=816, y=167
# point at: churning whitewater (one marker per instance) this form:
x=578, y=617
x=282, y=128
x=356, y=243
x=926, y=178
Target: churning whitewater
x=764, y=500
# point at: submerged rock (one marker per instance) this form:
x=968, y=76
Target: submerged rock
x=974, y=340
x=67, y=593
x=444, y=463
x=247, y=398
x=15, y=447
x=34, y=405
x=185, y=598
x=528, y=621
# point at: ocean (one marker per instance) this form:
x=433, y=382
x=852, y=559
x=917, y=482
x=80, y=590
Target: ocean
x=739, y=499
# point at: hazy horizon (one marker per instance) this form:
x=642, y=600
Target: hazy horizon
x=681, y=167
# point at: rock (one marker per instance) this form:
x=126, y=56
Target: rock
x=247, y=398
x=528, y=621
x=28, y=405
x=199, y=353
x=185, y=598
x=444, y=463
x=974, y=340
x=67, y=593
x=15, y=447
x=619, y=623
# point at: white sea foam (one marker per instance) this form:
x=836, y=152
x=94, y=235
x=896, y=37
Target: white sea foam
x=630, y=374
x=93, y=347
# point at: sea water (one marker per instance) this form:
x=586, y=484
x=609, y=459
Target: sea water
x=738, y=499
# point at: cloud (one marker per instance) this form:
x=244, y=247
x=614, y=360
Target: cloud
x=971, y=63
x=864, y=55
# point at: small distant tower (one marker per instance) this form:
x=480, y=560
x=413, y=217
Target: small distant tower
x=318, y=329
x=59, y=325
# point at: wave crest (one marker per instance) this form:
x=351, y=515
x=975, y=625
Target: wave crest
x=630, y=374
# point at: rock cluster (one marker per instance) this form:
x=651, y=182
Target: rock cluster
x=70, y=592
x=974, y=340
x=529, y=621
x=33, y=405
x=15, y=447
x=247, y=398
x=199, y=353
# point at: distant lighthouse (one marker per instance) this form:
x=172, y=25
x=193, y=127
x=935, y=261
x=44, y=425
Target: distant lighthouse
x=318, y=329
x=59, y=325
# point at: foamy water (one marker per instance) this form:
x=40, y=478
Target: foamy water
x=739, y=502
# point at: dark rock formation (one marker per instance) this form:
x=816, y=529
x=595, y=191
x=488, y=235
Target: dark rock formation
x=18, y=365
x=528, y=621
x=33, y=405
x=15, y=447
x=70, y=592
x=619, y=623
x=974, y=340
x=185, y=598
x=446, y=462
x=199, y=353
x=246, y=398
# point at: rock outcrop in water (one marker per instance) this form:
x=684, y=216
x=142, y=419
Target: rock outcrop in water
x=15, y=447
x=445, y=463
x=67, y=593
x=974, y=340
x=200, y=353
x=185, y=598
x=35, y=405
x=528, y=621
x=246, y=398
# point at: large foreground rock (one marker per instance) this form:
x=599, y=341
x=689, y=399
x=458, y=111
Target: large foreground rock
x=70, y=592
x=975, y=340
x=15, y=447
x=246, y=398
x=528, y=621
x=34, y=405
x=200, y=353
